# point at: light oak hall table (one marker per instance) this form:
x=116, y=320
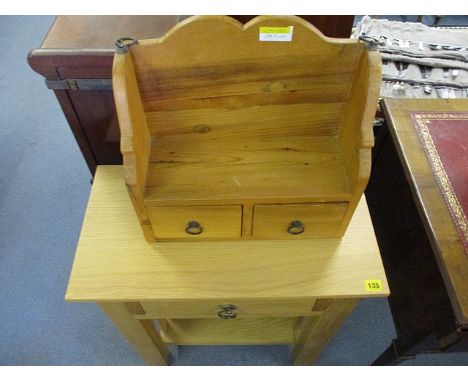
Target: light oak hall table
x=220, y=292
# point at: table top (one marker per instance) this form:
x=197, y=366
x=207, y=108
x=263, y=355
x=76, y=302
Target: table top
x=101, y=32
x=445, y=240
x=113, y=261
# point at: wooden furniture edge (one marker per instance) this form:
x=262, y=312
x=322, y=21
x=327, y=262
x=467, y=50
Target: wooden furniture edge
x=359, y=162
x=140, y=333
x=316, y=334
x=423, y=213
x=135, y=141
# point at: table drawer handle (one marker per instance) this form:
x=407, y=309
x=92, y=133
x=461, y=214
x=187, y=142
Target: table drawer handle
x=296, y=227
x=227, y=312
x=194, y=228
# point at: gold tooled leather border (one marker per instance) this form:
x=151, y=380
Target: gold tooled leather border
x=421, y=120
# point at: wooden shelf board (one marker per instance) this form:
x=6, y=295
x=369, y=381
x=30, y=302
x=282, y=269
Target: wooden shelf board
x=245, y=331
x=248, y=169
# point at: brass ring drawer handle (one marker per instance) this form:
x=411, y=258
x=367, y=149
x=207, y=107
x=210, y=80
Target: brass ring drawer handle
x=194, y=228
x=227, y=312
x=123, y=43
x=296, y=227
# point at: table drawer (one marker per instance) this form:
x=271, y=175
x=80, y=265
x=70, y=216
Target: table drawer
x=235, y=308
x=286, y=221
x=197, y=222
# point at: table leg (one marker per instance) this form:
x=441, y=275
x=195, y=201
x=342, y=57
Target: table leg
x=314, y=336
x=140, y=333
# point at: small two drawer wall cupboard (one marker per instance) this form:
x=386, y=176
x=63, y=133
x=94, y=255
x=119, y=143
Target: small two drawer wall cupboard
x=227, y=133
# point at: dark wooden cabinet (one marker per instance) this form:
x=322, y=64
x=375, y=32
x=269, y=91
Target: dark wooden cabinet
x=76, y=60
x=428, y=283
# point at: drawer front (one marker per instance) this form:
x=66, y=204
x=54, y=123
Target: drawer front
x=197, y=222
x=289, y=221
x=232, y=308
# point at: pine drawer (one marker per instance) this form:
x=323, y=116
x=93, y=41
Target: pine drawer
x=286, y=221
x=230, y=309
x=196, y=222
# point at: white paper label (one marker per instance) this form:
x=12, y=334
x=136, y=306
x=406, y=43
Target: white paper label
x=276, y=33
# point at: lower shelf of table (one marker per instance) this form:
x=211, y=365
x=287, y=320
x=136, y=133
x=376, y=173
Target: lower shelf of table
x=245, y=331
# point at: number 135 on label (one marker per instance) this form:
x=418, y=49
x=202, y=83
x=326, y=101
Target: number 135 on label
x=373, y=285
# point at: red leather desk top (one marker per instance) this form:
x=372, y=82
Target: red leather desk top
x=444, y=137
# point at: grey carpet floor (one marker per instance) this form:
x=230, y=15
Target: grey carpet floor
x=44, y=187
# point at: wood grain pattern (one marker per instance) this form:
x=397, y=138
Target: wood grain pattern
x=236, y=120
x=316, y=333
x=114, y=263
x=135, y=308
x=140, y=333
x=320, y=220
x=259, y=83
x=322, y=304
x=247, y=219
x=445, y=241
x=245, y=308
x=216, y=221
x=101, y=32
x=272, y=283
x=249, y=122
x=135, y=140
x=240, y=43
x=82, y=47
x=356, y=137
x=242, y=331
x=213, y=171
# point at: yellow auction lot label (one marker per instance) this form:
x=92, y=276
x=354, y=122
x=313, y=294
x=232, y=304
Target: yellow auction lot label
x=275, y=29
x=276, y=33
x=373, y=285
